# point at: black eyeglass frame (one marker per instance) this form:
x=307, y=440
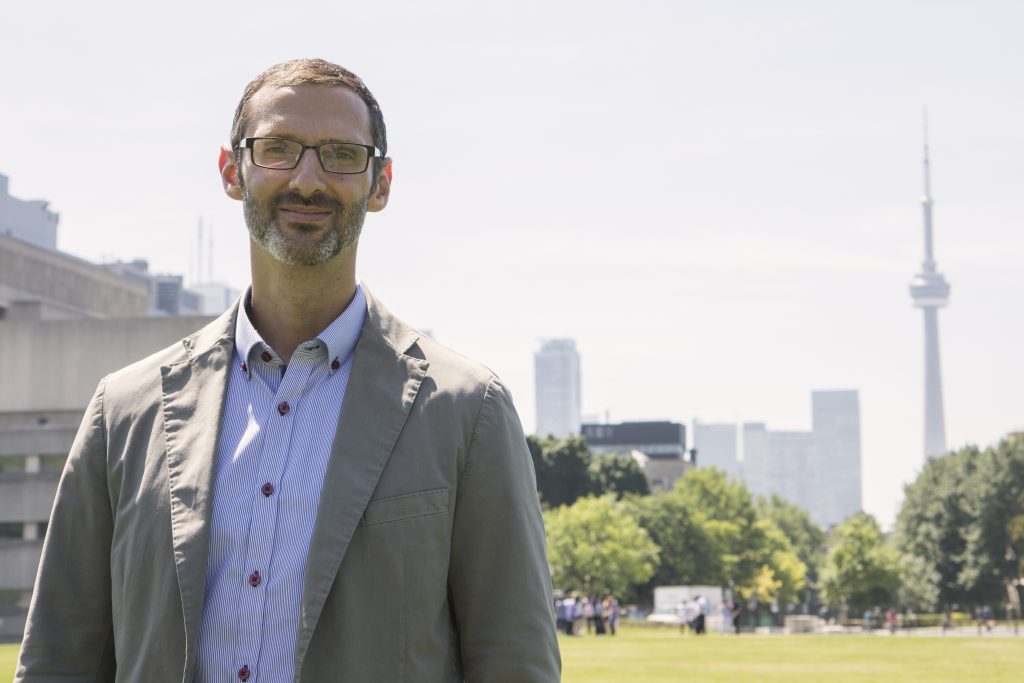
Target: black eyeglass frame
x=372, y=153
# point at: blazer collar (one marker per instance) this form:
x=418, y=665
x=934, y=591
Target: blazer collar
x=194, y=392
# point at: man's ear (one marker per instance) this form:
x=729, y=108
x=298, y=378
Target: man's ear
x=229, y=173
x=379, y=198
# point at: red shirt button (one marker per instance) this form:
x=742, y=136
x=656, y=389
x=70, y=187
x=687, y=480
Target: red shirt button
x=243, y=673
x=283, y=408
x=266, y=356
x=255, y=579
x=267, y=489
x=244, y=368
x=335, y=364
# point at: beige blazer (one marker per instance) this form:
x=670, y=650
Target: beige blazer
x=427, y=561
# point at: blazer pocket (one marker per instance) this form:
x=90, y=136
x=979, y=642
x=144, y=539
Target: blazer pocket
x=407, y=506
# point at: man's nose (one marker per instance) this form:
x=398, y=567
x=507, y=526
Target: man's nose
x=307, y=176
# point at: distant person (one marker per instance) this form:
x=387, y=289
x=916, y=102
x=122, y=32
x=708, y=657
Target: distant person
x=612, y=610
x=726, y=614
x=307, y=488
x=700, y=606
x=737, y=613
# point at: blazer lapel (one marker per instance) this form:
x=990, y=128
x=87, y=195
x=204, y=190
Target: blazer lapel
x=194, y=392
x=379, y=396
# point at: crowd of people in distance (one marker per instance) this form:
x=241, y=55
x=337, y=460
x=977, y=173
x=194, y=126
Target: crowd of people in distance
x=575, y=613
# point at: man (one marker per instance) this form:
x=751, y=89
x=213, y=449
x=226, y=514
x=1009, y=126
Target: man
x=306, y=489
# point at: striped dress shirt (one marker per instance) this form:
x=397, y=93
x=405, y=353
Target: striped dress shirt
x=275, y=442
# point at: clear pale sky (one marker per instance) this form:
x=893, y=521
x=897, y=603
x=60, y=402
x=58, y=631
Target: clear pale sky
x=719, y=201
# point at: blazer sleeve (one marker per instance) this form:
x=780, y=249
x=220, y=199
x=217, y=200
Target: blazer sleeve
x=499, y=579
x=69, y=633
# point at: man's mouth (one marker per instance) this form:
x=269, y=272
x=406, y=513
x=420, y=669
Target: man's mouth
x=304, y=214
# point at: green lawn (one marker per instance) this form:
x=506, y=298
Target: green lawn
x=662, y=655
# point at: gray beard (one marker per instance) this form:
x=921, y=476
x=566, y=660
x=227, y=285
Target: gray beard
x=264, y=229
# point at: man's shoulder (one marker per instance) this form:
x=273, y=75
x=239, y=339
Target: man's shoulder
x=145, y=375
x=449, y=369
x=452, y=368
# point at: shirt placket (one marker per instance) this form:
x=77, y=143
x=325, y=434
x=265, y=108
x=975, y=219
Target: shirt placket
x=258, y=561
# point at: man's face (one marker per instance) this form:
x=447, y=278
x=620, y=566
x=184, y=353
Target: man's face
x=306, y=216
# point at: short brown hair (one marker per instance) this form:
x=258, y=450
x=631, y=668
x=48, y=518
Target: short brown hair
x=317, y=72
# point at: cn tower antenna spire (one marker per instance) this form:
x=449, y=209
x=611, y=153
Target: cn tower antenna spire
x=926, y=204
x=927, y=170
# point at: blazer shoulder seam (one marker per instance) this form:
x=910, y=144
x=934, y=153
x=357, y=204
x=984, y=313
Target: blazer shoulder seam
x=476, y=426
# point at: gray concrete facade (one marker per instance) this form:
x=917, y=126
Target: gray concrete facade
x=49, y=371
x=38, y=283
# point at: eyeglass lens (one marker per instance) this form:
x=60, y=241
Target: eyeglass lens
x=336, y=157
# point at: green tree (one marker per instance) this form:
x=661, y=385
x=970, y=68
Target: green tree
x=595, y=545
x=962, y=521
x=994, y=542
x=806, y=538
x=618, y=474
x=723, y=541
x=861, y=570
x=687, y=554
x=563, y=469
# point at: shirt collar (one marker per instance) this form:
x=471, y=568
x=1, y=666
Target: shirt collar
x=339, y=338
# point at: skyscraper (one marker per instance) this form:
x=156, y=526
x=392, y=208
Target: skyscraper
x=556, y=374
x=930, y=292
x=716, y=446
x=836, y=471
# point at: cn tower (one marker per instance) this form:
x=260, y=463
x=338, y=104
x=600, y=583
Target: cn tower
x=930, y=292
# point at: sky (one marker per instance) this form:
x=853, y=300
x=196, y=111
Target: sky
x=719, y=201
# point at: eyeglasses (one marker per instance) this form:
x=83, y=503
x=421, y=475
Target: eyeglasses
x=335, y=157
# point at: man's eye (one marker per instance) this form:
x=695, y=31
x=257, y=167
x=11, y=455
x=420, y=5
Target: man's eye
x=339, y=153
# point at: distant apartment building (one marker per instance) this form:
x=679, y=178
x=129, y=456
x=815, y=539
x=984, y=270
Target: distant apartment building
x=64, y=324
x=819, y=470
x=658, y=447
x=556, y=372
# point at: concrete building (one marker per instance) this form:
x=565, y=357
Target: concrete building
x=658, y=447
x=50, y=369
x=29, y=221
x=64, y=324
x=556, y=373
x=42, y=284
x=167, y=293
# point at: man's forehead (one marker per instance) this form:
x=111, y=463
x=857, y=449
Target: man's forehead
x=322, y=106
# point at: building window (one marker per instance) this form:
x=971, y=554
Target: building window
x=9, y=465
x=12, y=530
x=53, y=463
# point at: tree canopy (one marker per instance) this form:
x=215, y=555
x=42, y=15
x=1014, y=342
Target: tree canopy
x=595, y=545
x=961, y=526
x=861, y=571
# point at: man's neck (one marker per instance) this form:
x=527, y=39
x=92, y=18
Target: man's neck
x=292, y=304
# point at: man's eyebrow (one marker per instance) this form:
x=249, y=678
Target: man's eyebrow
x=297, y=138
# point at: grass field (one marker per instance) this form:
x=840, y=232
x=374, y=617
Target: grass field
x=662, y=655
